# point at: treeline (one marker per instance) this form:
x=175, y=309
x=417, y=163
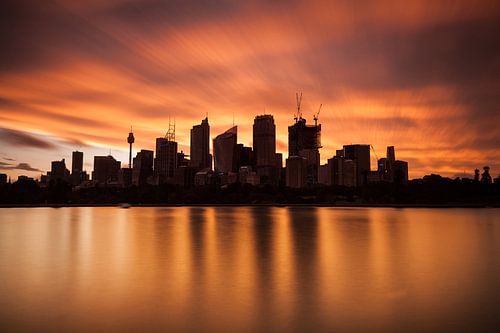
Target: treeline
x=436, y=191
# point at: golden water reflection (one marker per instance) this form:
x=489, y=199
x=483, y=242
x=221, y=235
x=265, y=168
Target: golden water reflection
x=259, y=269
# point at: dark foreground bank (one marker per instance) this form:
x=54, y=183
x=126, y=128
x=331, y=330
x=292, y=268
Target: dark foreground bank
x=417, y=193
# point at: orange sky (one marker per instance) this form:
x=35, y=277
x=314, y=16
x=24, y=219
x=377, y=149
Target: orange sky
x=423, y=76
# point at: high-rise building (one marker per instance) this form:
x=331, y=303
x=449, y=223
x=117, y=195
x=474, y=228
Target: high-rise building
x=341, y=171
x=3, y=178
x=77, y=162
x=142, y=167
x=305, y=141
x=200, y=146
x=77, y=174
x=360, y=154
x=224, y=151
x=165, y=161
x=400, y=172
x=106, y=169
x=391, y=155
x=58, y=170
x=264, y=141
x=296, y=172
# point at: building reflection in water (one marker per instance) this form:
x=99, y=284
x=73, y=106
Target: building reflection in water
x=248, y=269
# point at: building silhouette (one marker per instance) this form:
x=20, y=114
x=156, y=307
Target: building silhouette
x=106, y=170
x=165, y=161
x=142, y=167
x=58, y=171
x=77, y=173
x=3, y=178
x=200, y=146
x=264, y=141
x=225, y=151
x=296, y=172
x=76, y=162
x=305, y=141
x=360, y=154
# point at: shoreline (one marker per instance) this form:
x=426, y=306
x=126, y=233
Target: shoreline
x=290, y=205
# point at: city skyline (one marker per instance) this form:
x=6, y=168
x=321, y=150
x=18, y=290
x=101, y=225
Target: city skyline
x=419, y=75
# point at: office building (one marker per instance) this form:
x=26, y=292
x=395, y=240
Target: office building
x=296, y=172
x=400, y=172
x=142, y=167
x=165, y=161
x=360, y=154
x=3, y=178
x=305, y=140
x=58, y=171
x=264, y=141
x=200, y=146
x=225, y=151
x=77, y=174
x=106, y=169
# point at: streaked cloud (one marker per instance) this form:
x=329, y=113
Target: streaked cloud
x=421, y=75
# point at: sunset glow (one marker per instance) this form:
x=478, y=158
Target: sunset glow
x=421, y=75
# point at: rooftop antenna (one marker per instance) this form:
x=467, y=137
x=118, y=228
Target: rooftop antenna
x=298, y=115
x=170, y=135
x=233, y=118
x=315, y=117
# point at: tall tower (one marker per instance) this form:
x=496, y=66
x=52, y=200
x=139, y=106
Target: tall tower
x=264, y=140
x=200, y=145
x=130, y=140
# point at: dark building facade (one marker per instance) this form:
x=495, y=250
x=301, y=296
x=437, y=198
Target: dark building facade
x=305, y=141
x=77, y=174
x=264, y=141
x=143, y=167
x=225, y=151
x=200, y=146
x=360, y=154
x=165, y=161
x=58, y=170
x=106, y=169
x=296, y=172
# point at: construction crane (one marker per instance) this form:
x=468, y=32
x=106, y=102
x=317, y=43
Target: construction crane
x=374, y=153
x=298, y=115
x=315, y=117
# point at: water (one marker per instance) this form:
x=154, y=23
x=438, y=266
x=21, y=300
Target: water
x=249, y=270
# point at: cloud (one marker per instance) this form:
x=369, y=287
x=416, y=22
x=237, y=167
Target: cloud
x=20, y=166
x=23, y=139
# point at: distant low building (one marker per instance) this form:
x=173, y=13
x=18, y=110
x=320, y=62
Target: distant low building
x=185, y=176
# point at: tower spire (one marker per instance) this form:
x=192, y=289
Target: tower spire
x=130, y=141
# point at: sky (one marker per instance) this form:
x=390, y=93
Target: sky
x=423, y=76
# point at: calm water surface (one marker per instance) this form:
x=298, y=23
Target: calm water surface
x=250, y=270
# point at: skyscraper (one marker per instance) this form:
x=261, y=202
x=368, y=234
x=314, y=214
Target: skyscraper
x=143, y=167
x=264, y=141
x=224, y=150
x=296, y=171
x=77, y=175
x=77, y=163
x=305, y=141
x=58, y=170
x=165, y=161
x=361, y=156
x=200, y=146
x=106, y=169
